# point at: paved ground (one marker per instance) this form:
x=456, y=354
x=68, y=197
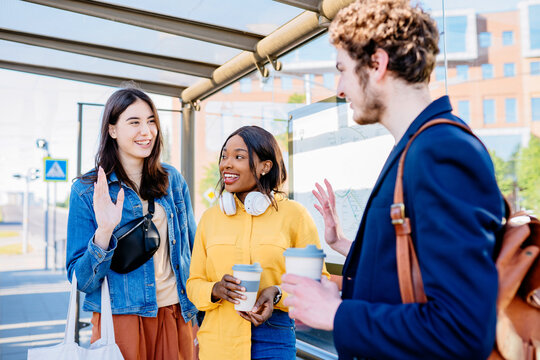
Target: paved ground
x=33, y=301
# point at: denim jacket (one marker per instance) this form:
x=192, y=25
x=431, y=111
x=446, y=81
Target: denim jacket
x=134, y=292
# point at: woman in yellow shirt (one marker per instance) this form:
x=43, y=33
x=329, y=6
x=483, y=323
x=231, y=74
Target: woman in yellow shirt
x=254, y=222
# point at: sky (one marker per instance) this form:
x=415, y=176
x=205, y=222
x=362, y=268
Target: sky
x=35, y=106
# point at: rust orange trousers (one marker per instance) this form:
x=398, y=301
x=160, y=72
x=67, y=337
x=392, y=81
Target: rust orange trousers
x=165, y=337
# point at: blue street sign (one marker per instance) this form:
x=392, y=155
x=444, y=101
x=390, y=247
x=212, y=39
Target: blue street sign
x=55, y=169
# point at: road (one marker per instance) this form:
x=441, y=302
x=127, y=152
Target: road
x=36, y=229
x=36, y=220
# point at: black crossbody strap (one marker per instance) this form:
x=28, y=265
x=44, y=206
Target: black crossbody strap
x=151, y=208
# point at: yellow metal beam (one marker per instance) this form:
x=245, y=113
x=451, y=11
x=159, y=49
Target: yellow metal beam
x=294, y=33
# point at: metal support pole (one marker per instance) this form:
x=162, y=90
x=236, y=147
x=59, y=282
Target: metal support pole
x=77, y=323
x=187, y=146
x=54, y=230
x=79, y=138
x=307, y=88
x=25, y=215
x=47, y=229
x=79, y=160
x=444, y=48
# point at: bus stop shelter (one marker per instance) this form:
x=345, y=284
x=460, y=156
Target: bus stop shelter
x=183, y=49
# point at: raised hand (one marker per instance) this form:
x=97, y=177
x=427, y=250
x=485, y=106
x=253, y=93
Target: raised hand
x=108, y=214
x=333, y=234
x=227, y=289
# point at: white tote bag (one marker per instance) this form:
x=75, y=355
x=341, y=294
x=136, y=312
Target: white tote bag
x=103, y=349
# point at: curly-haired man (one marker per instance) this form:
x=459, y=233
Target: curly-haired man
x=386, y=51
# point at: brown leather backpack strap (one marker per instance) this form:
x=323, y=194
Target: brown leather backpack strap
x=410, y=277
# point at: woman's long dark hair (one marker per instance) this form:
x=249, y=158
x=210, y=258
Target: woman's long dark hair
x=154, y=181
x=262, y=143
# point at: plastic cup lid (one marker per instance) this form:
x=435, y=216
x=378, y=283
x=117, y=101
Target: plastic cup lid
x=309, y=251
x=256, y=267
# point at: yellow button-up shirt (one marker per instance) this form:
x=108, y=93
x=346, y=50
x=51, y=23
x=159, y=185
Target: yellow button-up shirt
x=222, y=241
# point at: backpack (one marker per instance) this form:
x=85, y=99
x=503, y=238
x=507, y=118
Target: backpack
x=517, y=262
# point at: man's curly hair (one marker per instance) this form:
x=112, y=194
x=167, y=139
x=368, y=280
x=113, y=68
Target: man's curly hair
x=408, y=35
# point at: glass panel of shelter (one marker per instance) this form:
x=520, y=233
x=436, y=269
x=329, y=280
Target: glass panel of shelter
x=502, y=109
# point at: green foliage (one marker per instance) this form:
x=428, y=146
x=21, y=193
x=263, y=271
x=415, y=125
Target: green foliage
x=283, y=141
x=297, y=99
x=504, y=173
x=528, y=172
x=63, y=204
x=209, y=181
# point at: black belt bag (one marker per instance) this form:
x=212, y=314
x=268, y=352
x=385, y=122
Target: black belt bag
x=138, y=240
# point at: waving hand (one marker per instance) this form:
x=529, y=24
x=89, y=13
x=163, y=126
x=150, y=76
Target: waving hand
x=333, y=233
x=108, y=214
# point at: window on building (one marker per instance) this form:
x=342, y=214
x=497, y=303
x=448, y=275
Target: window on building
x=535, y=68
x=464, y=110
x=456, y=30
x=535, y=108
x=487, y=71
x=328, y=81
x=484, y=38
x=268, y=83
x=245, y=85
x=510, y=109
x=439, y=73
x=508, y=38
x=509, y=69
x=227, y=89
x=489, y=111
x=534, y=27
x=462, y=72
x=286, y=82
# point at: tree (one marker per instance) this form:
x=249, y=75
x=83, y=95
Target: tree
x=528, y=172
x=297, y=99
x=504, y=173
x=209, y=181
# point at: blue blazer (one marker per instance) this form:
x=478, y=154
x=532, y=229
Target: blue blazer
x=456, y=211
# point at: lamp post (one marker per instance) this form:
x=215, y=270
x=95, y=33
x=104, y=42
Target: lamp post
x=31, y=174
x=44, y=145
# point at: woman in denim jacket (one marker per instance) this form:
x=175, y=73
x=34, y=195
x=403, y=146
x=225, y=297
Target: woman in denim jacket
x=151, y=312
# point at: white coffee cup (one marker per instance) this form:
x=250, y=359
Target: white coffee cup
x=250, y=277
x=306, y=261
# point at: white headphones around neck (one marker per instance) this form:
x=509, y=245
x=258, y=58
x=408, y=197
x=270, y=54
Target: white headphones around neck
x=255, y=203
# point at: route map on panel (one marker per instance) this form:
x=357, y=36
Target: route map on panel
x=327, y=144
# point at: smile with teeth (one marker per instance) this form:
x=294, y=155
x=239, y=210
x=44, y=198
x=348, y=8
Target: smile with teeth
x=143, y=142
x=229, y=178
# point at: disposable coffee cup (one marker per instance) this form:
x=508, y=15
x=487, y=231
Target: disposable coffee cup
x=306, y=261
x=250, y=276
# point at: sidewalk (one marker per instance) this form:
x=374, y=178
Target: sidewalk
x=33, y=301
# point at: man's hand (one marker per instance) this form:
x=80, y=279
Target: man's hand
x=313, y=303
x=227, y=289
x=263, y=308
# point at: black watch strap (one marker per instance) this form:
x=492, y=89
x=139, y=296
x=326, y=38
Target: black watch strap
x=278, y=295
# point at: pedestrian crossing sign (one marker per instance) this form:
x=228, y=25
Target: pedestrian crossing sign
x=55, y=169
